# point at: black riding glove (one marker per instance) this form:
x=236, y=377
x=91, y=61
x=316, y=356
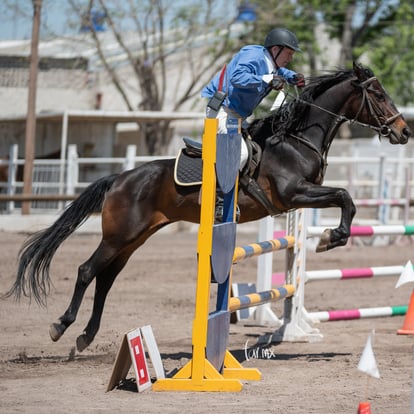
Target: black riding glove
x=277, y=82
x=298, y=80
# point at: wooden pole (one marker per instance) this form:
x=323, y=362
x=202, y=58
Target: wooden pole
x=31, y=108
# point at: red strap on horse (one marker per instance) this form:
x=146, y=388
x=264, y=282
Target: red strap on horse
x=221, y=79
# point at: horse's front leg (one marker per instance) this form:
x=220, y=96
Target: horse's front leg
x=315, y=196
x=339, y=236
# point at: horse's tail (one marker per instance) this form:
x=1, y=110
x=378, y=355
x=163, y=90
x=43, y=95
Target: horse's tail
x=36, y=253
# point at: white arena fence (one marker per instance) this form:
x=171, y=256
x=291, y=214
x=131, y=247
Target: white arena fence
x=381, y=186
x=62, y=177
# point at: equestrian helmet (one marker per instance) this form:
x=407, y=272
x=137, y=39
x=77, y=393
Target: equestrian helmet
x=282, y=37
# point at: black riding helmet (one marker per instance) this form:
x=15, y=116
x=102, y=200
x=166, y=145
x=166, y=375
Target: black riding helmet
x=282, y=37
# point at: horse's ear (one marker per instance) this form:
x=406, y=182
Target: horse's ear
x=359, y=71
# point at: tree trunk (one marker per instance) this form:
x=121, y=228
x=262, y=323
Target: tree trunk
x=157, y=136
x=346, y=50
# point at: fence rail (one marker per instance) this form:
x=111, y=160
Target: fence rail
x=368, y=179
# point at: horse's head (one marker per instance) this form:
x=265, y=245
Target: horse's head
x=326, y=102
x=372, y=106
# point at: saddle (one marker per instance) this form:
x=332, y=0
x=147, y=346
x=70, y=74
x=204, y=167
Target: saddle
x=188, y=170
x=188, y=164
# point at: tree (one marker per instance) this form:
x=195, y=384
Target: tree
x=299, y=19
x=189, y=36
x=380, y=32
x=392, y=55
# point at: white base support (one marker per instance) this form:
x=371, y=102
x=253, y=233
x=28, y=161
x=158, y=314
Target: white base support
x=299, y=330
x=297, y=325
x=267, y=317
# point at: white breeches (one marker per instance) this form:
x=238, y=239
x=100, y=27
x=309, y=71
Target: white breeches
x=225, y=117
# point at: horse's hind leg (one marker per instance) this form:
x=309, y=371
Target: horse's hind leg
x=57, y=329
x=86, y=274
x=104, y=282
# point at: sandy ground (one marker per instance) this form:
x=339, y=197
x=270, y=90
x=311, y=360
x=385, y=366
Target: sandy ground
x=157, y=288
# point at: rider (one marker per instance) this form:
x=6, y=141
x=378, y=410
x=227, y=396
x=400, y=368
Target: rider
x=250, y=76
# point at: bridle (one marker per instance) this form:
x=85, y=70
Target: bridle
x=375, y=111
x=382, y=127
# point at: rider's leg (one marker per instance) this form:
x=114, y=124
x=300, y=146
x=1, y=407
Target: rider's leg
x=223, y=116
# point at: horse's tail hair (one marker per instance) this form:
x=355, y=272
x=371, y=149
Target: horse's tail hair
x=37, y=252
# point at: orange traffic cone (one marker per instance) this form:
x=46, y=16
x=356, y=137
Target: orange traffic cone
x=408, y=326
x=364, y=408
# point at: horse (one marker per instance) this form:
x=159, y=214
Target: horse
x=135, y=204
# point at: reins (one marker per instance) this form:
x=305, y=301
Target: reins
x=383, y=129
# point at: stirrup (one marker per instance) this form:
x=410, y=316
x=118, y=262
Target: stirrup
x=219, y=211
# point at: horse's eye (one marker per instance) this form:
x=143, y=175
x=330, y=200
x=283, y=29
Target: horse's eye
x=379, y=95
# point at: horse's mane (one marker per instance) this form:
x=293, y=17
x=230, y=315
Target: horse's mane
x=292, y=115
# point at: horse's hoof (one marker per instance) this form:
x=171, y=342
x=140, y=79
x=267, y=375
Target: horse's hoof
x=324, y=241
x=321, y=248
x=56, y=330
x=82, y=343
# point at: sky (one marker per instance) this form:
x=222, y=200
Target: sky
x=16, y=17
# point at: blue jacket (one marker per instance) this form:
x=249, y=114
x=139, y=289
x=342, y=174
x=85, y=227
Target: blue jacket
x=243, y=82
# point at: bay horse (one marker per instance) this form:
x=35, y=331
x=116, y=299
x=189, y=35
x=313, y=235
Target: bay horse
x=135, y=204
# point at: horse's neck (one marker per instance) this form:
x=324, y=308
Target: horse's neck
x=324, y=123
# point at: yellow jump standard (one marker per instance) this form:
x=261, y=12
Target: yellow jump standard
x=201, y=373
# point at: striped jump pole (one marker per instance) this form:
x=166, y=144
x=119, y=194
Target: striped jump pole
x=301, y=316
x=348, y=314
x=266, y=293
x=259, y=298
x=257, y=249
x=374, y=202
x=365, y=231
x=353, y=273
x=343, y=274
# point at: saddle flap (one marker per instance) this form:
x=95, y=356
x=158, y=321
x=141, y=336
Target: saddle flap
x=187, y=169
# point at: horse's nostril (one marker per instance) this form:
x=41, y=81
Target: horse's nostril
x=407, y=132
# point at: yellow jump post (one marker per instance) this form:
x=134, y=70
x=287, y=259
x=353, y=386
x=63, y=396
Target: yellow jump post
x=199, y=374
x=212, y=367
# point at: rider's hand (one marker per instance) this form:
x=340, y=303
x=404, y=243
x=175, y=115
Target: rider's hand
x=298, y=80
x=277, y=82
